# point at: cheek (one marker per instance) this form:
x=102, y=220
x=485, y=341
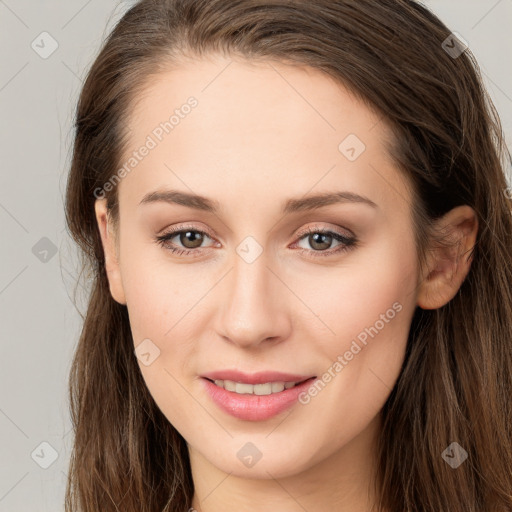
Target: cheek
x=164, y=301
x=158, y=303
x=148, y=305
x=368, y=309
x=157, y=291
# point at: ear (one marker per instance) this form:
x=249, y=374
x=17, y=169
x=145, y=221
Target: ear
x=110, y=250
x=448, y=266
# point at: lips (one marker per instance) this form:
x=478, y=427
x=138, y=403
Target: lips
x=255, y=378
x=253, y=406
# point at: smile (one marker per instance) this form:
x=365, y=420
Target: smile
x=255, y=402
x=242, y=388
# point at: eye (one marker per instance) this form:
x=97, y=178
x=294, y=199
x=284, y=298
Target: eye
x=320, y=240
x=190, y=238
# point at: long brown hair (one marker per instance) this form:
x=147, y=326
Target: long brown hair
x=456, y=380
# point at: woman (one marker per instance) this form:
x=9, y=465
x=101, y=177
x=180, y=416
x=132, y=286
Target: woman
x=298, y=226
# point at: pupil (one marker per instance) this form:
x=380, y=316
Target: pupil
x=323, y=245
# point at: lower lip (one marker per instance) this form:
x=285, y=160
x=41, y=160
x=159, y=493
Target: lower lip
x=255, y=407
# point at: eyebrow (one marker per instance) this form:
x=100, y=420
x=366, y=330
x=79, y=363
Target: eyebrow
x=307, y=203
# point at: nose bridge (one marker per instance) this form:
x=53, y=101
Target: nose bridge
x=251, y=312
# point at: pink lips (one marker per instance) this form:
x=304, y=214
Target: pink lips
x=254, y=407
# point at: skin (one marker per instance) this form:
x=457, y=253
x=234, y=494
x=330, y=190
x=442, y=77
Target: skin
x=263, y=133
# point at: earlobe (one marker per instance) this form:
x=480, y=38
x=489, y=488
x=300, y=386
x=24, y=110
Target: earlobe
x=108, y=241
x=450, y=262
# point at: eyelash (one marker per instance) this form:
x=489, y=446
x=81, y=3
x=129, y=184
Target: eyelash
x=347, y=243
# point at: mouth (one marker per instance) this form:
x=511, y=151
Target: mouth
x=255, y=402
x=266, y=388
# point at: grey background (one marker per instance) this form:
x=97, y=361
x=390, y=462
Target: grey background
x=39, y=323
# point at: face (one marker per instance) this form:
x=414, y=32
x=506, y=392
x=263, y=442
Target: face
x=260, y=277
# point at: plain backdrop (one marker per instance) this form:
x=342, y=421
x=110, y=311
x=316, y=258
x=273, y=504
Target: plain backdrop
x=39, y=84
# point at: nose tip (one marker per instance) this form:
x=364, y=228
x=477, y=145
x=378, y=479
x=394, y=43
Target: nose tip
x=246, y=338
x=253, y=310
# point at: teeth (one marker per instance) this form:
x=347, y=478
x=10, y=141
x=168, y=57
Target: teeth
x=256, y=389
x=244, y=388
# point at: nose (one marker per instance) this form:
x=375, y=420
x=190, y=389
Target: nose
x=254, y=306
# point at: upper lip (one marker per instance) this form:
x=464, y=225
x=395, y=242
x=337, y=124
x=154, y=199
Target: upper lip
x=255, y=378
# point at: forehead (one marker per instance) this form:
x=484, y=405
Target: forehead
x=258, y=98
x=253, y=125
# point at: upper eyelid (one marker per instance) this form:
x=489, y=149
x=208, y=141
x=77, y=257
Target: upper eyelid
x=176, y=231
x=315, y=228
